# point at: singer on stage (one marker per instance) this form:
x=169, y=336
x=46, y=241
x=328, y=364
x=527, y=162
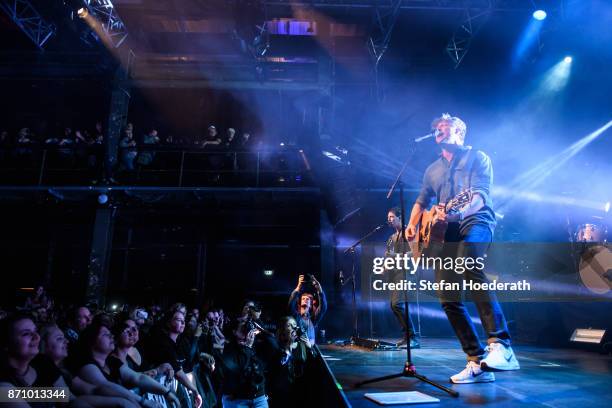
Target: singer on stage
x=469, y=234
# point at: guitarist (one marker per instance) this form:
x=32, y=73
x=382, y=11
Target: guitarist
x=471, y=230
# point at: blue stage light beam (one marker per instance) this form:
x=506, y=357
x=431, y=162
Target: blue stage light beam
x=557, y=77
x=529, y=38
x=527, y=182
x=502, y=193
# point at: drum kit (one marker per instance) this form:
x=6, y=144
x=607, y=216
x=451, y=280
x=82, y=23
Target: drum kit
x=593, y=255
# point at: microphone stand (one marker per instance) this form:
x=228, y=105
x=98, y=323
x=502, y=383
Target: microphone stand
x=409, y=369
x=353, y=280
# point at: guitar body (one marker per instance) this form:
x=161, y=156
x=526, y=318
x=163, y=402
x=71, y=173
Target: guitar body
x=431, y=229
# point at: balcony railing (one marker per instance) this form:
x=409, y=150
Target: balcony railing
x=28, y=165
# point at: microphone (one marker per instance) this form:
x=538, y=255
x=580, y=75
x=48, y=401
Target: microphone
x=428, y=136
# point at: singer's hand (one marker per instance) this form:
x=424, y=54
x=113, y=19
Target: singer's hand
x=410, y=232
x=441, y=215
x=452, y=217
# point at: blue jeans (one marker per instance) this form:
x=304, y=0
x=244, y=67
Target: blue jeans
x=472, y=243
x=259, y=402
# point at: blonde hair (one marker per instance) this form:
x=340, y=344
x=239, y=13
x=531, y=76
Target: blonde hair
x=454, y=121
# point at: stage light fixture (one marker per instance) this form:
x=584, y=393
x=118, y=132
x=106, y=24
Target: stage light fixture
x=607, y=207
x=268, y=273
x=102, y=199
x=114, y=306
x=567, y=59
x=593, y=336
x=539, y=15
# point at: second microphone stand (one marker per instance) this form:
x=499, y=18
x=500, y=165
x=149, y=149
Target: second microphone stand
x=355, y=339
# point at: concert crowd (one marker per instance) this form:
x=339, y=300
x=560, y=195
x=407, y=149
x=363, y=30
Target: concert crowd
x=180, y=356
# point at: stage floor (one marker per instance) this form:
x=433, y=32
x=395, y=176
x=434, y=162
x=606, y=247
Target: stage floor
x=548, y=377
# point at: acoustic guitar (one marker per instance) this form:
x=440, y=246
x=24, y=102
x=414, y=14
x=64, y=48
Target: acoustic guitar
x=431, y=228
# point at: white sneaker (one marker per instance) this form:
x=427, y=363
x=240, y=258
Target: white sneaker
x=472, y=374
x=500, y=358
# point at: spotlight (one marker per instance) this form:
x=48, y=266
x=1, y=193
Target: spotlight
x=102, y=199
x=567, y=59
x=282, y=144
x=268, y=272
x=607, y=207
x=82, y=12
x=588, y=336
x=114, y=306
x=539, y=15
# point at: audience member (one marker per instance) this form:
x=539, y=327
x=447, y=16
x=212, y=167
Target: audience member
x=308, y=305
x=214, y=339
x=287, y=371
x=128, y=148
x=241, y=371
x=162, y=347
x=245, y=141
x=38, y=299
x=145, y=157
x=79, y=318
x=212, y=138
x=54, y=348
x=19, y=341
x=95, y=365
x=98, y=136
x=127, y=337
x=230, y=139
x=254, y=364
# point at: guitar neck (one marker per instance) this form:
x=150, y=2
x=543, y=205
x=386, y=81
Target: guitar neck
x=458, y=201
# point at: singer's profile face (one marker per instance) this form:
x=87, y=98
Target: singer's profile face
x=448, y=133
x=444, y=131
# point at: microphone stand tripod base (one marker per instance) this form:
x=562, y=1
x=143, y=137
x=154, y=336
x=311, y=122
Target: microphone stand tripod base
x=409, y=371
